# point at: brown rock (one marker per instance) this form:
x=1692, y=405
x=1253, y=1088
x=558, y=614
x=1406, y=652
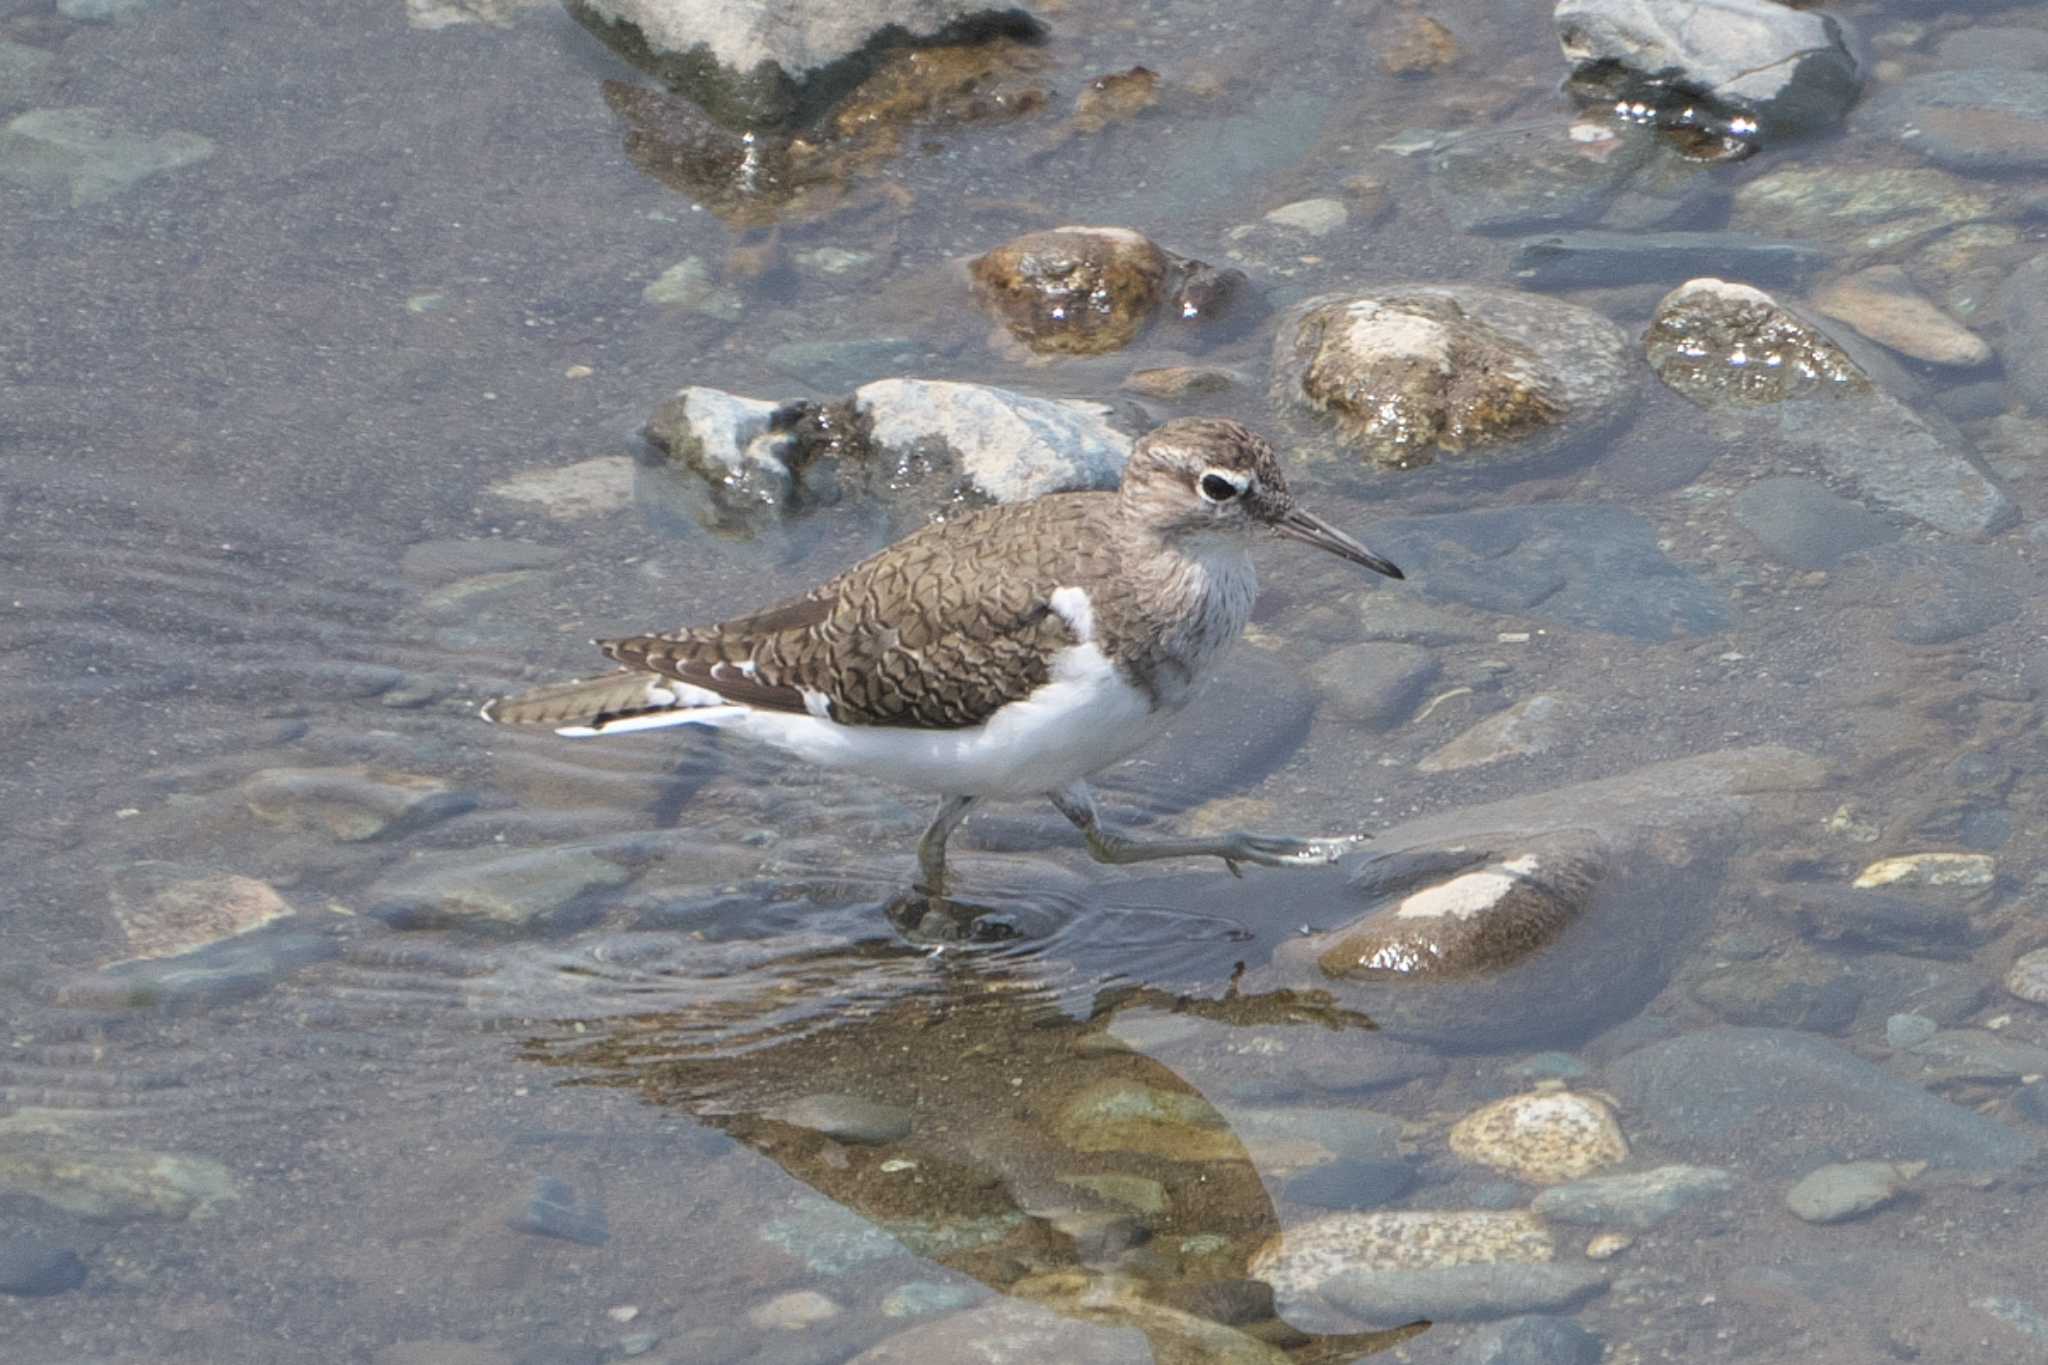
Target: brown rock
x=1073, y=290
x=1883, y=304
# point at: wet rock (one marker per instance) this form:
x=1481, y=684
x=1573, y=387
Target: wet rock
x=1311, y=217
x=1091, y=290
x=1954, y=1056
x=1532, y=726
x=1929, y=869
x=2027, y=978
x=2023, y=301
x=1836, y=1193
x=82, y=153
x=166, y=909
x=1881, y=920
x=761, y=63
x=1354, y=1185
x=1126, y=1116
x=1114, y=98
x=1595, y=896
x=922, y=1298
x=1860, y=209
x=1735, y=350
x=1946, y=992
x=1942, y=593
x=1008, y=447
x=351, y=804
x=1883, y=304
x=233, y=969
x=1595, y=566
x=1303, y=1260
x=1800, y=523
x=1236, y=1063
x=1295, y=1137
x=576, y=492
x=912, y=446
x=1008, y=1331
x=1133, y=1192
x=1181, y=381
x=847, y=1118
x=81, y=1175
x=1544, y=1136
x=1504, y=181
x=1589, y=258
x=557, y=1210
x=1414, y=374
x=510, y=889
x=1787, y=990
x=1908, y=1030
x=1640, y=1200
x=1989, y=118
x=1774, y=1103
x=1376, y=685
x=796, y=1311
x=33, y=1268
x=687, y=286
x=1463, y=1293
x=1791, y=71
x=1533, y=1340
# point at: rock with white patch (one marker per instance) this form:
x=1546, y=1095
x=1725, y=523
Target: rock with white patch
x=1539, y=920
x=1545, y=1137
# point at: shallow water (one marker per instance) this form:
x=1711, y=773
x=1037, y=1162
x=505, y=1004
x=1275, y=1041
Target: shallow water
x=254, y=408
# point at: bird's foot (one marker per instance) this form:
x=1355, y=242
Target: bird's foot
x=922, y=917
x=1284, y=850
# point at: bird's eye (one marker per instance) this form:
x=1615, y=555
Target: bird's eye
x=1216, y=488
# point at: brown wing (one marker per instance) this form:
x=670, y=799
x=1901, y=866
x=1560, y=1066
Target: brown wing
x=936, y=632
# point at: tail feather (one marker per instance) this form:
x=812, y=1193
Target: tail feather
x=630, y=699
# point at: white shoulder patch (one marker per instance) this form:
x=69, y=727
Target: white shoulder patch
x=818, y=704
x=1073, y=607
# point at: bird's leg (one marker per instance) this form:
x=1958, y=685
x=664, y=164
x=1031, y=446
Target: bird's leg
x=1077, y=803
x=931, y=849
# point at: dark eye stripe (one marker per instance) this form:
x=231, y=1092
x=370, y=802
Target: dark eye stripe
x=1216, y=488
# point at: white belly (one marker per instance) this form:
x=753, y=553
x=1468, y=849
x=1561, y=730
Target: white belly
x=1080, y=722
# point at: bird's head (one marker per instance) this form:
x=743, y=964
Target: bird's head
x=1200, y=476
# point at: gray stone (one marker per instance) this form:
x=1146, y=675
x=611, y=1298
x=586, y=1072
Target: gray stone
x=1809, y=398
x=80, y=152
x=1860, y=209
x=1794, y=990
x=1375, y=685
x=1800, y=523
x=1790, y=70
x=1944, y=592
x=1524, y=179
x=687, y=286
x=1908, y=1030
x=1880, y=919
x=1946, y=992
x=1986, y=118
x=779, y=62
x=1421, y=374
x=33, y=1268
x=1533, y=1340
x=1774, y=1103
x=557, y=1210
x=1247, y=1064
x=351, y=804
x=1846, y=1190
x=847, y=1118
x=2023, y=300
x=1465, y=1293
x=1595, y=566
x=216, y=974
x=1617, y=875
x=1351, y=1184
x=1009, y=446
x=1589, y=258
x=1975, y=1055
x=1534, y=725
x=511, y=888
x=1639, y=1201
x=74, y=1172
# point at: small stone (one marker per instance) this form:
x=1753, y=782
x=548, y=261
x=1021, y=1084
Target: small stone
x=351, y=804
x=1311, y=217
x=1303, y=1259
x=165, y=914
x=1908, y=1030
x=1462, y=1293
x=1882, y=303
x=1376, y=685
x=1929, y=869
x=687, y=286
x=1545, y=1137
x=556, y=1210
x=1074, y=290
x=622, y=1313
x=1410, y=43
x=1838, y=1192
x=576, y=492
x=793, y=1312
x=1010, y=447
x=2028, y=977
x=1800, y=523
x=921, y=1298
x=506, y=887
x=117, y=1184
x=1181, y=381
x=1608, y=1245
x=1719, y=342
x=1639, y=1200
x=847, y=1118
x=1988, y=118
x=1114, y=98
x=1532, y=726
x=82, y=151
x=1591, y=257
x=1126, y=1116
x=1351, y=1184
x=35, y=1269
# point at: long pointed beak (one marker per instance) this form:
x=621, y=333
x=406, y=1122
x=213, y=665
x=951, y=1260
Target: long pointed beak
x=1310, y=529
